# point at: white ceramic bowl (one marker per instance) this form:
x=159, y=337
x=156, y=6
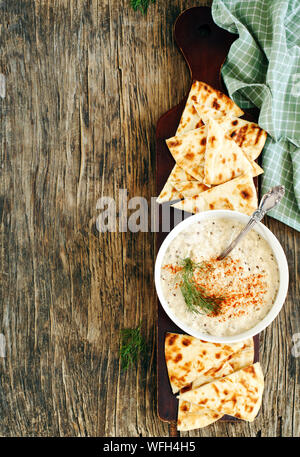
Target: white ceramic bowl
x=278, y=253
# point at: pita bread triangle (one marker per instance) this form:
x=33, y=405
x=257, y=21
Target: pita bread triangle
x=169, y=191
x=238, y=394
x=239, y=194
x=187, y=358
x=188, y=151
x=178, y=174
x=240, y=359
x=192, y=416
x=190, y=188
x=206, y=114
x=224, y=159
x=209, y=97
x=248, y=135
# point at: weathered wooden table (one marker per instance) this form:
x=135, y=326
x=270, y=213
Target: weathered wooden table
x=82, y=85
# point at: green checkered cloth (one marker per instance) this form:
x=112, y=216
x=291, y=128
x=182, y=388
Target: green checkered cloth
x=263, y=70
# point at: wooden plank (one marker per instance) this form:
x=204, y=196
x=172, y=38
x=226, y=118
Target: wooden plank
x=85, y=85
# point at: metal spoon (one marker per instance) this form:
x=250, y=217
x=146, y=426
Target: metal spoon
x=268, y=201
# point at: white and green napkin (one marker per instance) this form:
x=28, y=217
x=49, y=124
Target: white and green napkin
x=263, y=70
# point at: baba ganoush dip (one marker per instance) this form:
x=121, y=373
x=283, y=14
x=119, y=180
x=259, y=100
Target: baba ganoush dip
x=246, y=282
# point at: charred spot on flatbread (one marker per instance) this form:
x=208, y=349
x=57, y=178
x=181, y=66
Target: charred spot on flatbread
x=199, y=124
x=216, y=389
x=171, y=338
x=250, y=370
x=186, y=388
x=186, y=341
x=174, y=143
x=178, y=358
x=189, y=156
x=215, y=104
x=246, y=193
x=212, y=140
x=184, y=407
x=239, y=135
x=260, y=132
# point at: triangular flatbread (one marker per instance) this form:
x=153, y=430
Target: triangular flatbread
x=190, y=188
x=209, y=97
x=239, y=194
x=224, y=159
x=187, y=358
x=206, y=114
x=234, y=362
x=191, y=417
x=248, y=135
x=239, y=394
x=188, y=151
x=169, y=191
x=178, y=174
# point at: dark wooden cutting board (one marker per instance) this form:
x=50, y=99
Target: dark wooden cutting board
x=204, y=46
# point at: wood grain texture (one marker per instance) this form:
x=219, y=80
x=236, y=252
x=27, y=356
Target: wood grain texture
x=85, y=83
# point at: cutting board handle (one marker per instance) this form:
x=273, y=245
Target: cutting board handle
x=199, y=38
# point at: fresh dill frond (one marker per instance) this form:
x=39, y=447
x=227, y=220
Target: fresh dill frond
x=141, y=5
x=194, y=295
x=132, y=345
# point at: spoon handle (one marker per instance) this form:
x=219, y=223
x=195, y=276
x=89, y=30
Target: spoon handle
x=245, y=230
x=268, y=201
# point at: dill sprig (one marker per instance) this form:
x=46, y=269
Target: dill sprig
x=194, y=295
x=141, y=5
x=132, y=344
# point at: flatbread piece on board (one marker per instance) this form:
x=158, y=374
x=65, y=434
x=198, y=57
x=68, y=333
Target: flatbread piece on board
x=178, y=174
x=239, y=194
x=187, y=358
x=234, y=362
x=192, y=416
x=190, y=188
x=188, y=151
x=239, y=394
x=210, y=113
x=169, y=191
x=205, y=95
x=224, y=159
x=248, y=135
